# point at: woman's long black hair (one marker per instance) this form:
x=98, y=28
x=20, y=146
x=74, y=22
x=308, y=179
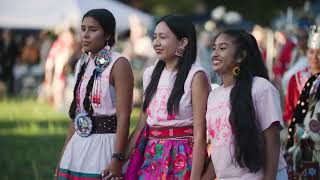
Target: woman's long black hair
x=182, y=28
x=248, y=140
x=108, y=23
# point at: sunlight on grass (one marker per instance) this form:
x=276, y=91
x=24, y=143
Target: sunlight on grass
x=33, y=129
x=31, y=118
x=28, y=110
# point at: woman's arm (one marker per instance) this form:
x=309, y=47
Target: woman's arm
x=272, y=149
x=269, y=115
x=142, y=118
x=200, y=91
x=122, y=78
x=135, y=134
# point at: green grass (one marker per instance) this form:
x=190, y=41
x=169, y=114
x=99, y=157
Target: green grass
x=31, y=138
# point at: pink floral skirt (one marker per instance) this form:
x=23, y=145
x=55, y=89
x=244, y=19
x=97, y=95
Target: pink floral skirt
x=167, y=159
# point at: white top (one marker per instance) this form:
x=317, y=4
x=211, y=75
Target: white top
x=107, y=106
x=266, y=102
x=157, y=109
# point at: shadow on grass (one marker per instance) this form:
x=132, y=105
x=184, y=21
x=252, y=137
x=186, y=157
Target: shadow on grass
x=29, y=157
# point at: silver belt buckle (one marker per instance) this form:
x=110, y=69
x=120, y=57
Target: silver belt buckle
x=83, y=124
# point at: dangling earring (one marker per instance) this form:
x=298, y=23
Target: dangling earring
x=236, y=70
x=179, y=52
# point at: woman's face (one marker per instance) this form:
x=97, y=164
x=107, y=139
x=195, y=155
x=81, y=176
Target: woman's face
x=92, y=35
x=165, y=43
x=314, y=58
x=223, y=54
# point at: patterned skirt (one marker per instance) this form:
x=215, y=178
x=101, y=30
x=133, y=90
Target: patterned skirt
x=167, y=159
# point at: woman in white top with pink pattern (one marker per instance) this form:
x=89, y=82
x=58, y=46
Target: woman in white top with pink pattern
x=244, y=114
x=175, y=96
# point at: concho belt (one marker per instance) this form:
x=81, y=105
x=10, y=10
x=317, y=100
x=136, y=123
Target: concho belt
x=83, y=124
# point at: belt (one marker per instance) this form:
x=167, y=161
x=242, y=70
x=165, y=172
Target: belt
x=104, y=125
x=171, y=132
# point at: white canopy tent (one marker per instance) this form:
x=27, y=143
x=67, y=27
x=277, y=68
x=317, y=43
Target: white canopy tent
x=39, y=14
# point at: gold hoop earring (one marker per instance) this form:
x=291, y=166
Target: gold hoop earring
x=236, y=70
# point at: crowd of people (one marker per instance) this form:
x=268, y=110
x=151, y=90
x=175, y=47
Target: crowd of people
x=37, y=64
x=217, y=89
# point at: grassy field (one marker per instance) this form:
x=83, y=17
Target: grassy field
x=31, y=137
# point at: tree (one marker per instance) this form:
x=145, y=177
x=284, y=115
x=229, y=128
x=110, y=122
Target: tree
x=257, y=11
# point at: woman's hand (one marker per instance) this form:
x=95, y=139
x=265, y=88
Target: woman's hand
x=113, y=171
x=209, y=173
x=55, y=175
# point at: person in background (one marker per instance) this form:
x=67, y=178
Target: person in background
x=55, y=68
x=9, y=52
x=299, y=58
x=298, y=80
x=304, y=130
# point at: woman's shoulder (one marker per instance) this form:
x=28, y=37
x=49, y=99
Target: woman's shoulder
x=116, y=56
x=149, y=70
x=119, y=59
x=120, y=65
x=261, y=85
x=196, y=67
x=260, y=81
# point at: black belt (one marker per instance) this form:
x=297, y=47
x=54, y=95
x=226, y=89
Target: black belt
x=104, y=124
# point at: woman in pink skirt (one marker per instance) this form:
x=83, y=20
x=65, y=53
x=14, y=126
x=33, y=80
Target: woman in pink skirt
x=175, y=96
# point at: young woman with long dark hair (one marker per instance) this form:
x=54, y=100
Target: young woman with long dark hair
x=175, y=96
x=244, y=114
x=101, y=108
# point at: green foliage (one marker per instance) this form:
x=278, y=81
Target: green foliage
x=260, y=12
x=163, y=7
